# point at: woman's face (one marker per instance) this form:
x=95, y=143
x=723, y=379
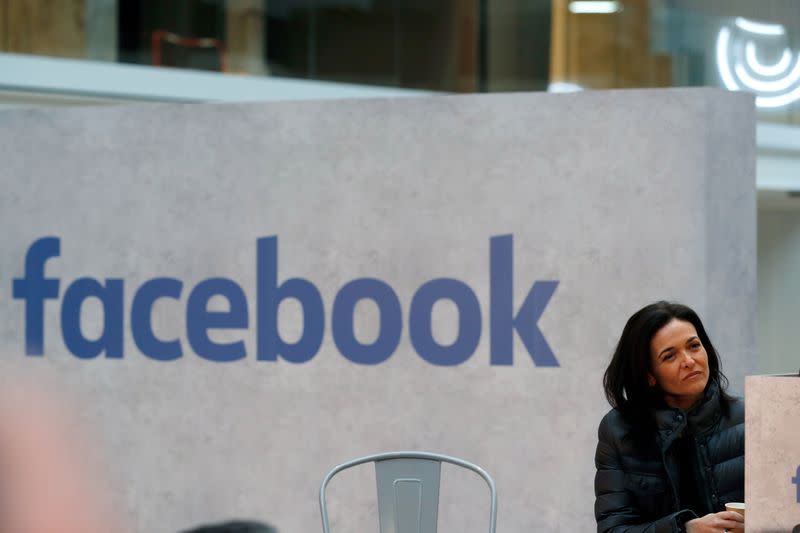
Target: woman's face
x=679, y=364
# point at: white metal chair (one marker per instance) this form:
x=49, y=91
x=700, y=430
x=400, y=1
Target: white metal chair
x=408, y=490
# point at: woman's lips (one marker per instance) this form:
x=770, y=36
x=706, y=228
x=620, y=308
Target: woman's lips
x=693, y=375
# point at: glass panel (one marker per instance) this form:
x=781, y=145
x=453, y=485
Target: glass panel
x=440, y=45
x=398, y=43
x=408, y=43
x=736, y=44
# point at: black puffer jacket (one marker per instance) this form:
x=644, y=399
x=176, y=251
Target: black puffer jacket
x=637, y=478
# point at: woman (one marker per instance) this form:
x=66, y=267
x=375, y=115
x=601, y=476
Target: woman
x=671, y=451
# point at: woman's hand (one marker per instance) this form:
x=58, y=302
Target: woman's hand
x=717, y=523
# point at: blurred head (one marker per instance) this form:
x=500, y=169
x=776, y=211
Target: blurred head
x=663, y=355
x=50, y=470
x=239, y=526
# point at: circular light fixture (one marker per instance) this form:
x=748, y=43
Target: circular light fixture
x=774, y=84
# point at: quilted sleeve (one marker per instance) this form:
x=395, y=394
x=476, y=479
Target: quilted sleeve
x=615, y=506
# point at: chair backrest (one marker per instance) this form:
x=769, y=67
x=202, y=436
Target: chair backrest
x=408, y=490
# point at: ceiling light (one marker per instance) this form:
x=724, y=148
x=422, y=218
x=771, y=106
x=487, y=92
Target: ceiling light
x=594, y=7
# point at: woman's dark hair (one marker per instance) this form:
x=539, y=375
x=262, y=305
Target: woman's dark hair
x=625, y=380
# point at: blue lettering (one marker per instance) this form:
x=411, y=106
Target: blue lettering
x=269, y=295
x=469, y=322
x=199, y=319
x=141, y=319
x=34, y=289
x=503, y=323
x=796, y=481
x=391, y=321
x=110, y=297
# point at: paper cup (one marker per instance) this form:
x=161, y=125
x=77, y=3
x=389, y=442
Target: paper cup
x=736, y=507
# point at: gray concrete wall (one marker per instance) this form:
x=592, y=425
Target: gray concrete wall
x=623, y=197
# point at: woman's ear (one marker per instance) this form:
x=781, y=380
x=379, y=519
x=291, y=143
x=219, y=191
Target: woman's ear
x=651, y=381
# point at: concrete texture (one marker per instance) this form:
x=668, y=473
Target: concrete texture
x=624, y=197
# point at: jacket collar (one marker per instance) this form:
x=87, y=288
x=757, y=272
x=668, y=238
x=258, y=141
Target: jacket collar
x=700, y=419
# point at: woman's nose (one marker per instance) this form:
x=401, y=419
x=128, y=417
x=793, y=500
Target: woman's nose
x=688, y=360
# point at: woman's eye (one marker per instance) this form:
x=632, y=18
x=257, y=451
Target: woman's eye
x=668, y=357
x=696, y=346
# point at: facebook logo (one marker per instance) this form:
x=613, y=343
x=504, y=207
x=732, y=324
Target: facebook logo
x=34, y=289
